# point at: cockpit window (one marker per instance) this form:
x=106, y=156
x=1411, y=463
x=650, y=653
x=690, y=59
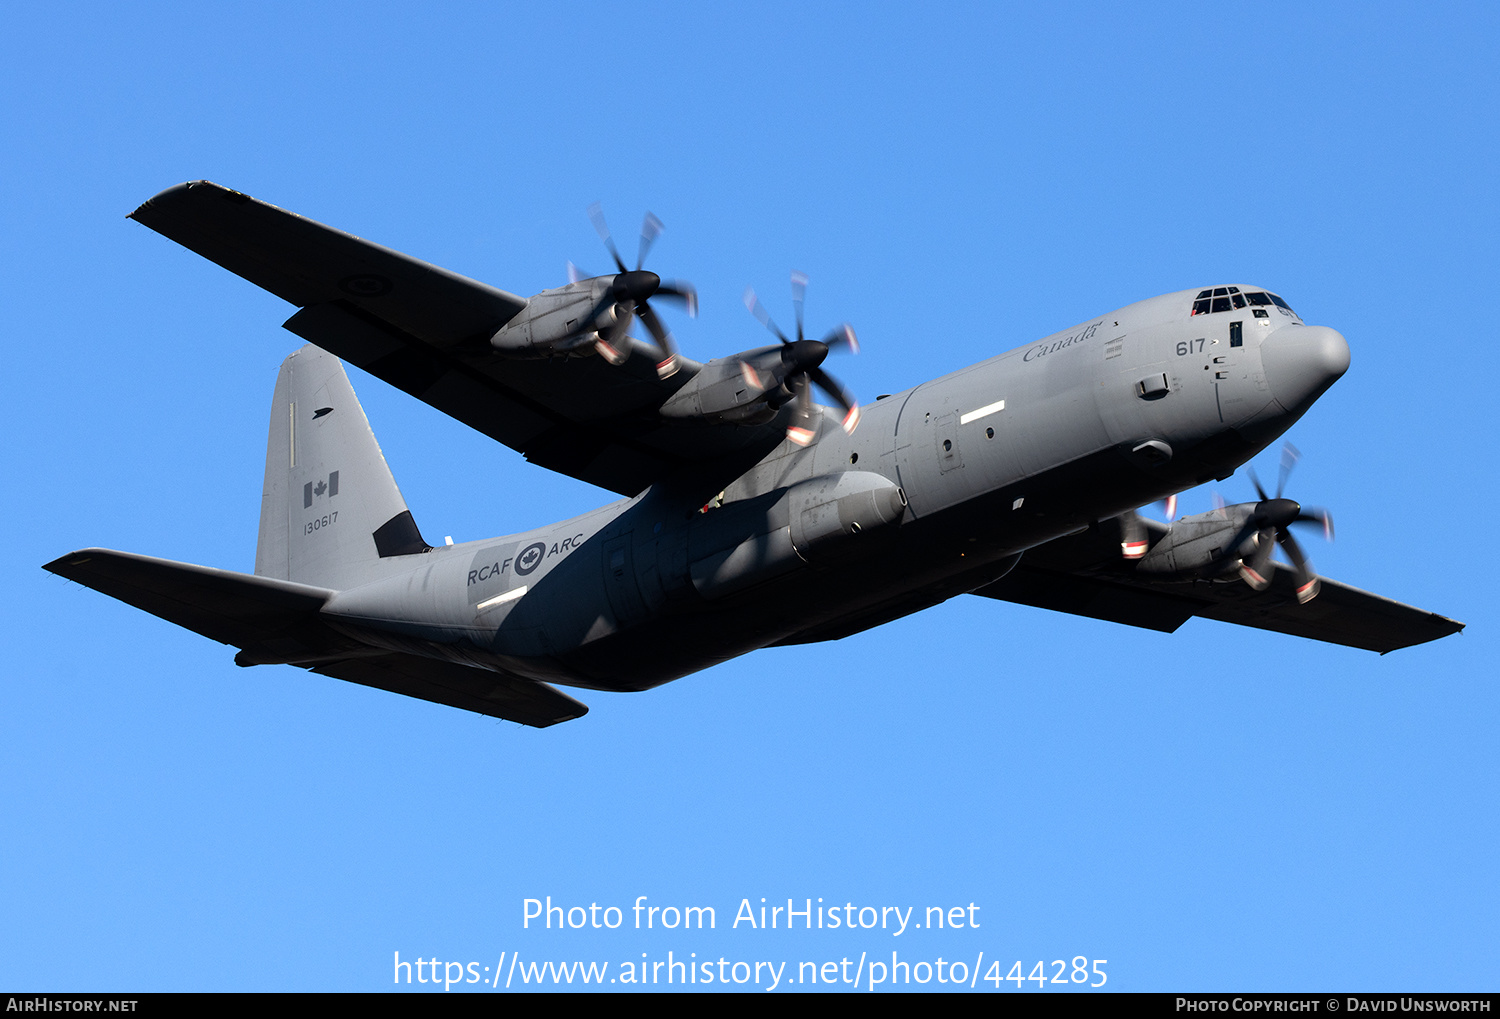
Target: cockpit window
x=1219, y=299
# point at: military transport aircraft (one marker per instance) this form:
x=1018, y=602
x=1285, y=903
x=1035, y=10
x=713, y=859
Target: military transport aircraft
x=751, y=516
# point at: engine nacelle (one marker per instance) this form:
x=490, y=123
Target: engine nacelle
x=745, y=389
x=556, y=322
x=1202, y=546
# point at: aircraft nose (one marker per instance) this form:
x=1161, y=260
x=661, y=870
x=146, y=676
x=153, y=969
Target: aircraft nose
x=1301, y=362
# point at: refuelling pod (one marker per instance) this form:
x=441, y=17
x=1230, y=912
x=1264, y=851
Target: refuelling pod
x=832, y=513
x=815, y=522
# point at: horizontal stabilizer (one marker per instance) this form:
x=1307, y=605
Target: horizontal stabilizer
x=231, y=608
x=489, y=693
x=277, y=621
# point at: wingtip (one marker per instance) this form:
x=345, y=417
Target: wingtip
x=60, y=566
x=172, y=193
x=162, y=195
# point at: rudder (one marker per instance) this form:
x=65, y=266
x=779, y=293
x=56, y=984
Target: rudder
x=330, y=509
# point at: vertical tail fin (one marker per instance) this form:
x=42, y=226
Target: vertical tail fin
x=330, y=510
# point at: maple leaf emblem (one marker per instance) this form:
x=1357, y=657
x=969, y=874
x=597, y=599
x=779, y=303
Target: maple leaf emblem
x=320, y=488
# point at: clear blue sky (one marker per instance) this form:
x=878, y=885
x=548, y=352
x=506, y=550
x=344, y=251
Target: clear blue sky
x=1214, y=809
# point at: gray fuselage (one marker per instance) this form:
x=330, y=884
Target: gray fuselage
x=938, y=492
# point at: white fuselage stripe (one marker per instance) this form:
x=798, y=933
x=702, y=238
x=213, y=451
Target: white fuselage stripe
x=985, y=411
x=500, y=599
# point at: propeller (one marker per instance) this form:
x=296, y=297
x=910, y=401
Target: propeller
x=1135, y=539
x=801, y=366
x=630, y=293
x=1271, y=521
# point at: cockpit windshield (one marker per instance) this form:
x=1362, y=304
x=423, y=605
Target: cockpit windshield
x=1230, y=299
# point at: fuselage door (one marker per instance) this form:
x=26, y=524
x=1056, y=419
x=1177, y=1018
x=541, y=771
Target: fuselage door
x=945, y=437
x=620, y=580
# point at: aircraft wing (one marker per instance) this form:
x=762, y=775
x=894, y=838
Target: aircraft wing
x=1084, y=574
x=277, y=621
x=425, y=330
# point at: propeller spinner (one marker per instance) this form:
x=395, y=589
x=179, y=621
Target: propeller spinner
x=801, y=366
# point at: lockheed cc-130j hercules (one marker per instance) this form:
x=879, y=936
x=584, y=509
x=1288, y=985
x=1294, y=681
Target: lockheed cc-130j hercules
x=751, y=516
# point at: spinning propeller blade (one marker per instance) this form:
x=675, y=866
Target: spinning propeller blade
x=1271, y=520
x=802, y=360
x=630, y=294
